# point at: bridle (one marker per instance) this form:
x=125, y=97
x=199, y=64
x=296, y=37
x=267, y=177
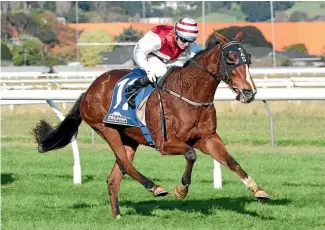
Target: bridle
x=224, y=67
x=233, y=46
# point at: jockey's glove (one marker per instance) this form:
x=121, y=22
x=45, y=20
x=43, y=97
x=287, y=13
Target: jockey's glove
x=151, y=75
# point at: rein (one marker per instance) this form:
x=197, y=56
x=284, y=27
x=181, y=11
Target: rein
x=205, y=69
x=180, y=96
x=232, y=46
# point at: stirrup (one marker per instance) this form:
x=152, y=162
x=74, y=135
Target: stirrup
x=131, y=99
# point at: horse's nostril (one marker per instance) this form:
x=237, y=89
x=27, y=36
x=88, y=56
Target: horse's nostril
x=247, y=93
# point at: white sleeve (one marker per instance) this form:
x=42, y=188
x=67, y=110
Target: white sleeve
x=150, y=42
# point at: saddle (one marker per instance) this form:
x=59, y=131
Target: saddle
x=120, y=113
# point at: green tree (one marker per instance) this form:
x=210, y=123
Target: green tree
x=297, y=47
x=90, y=54
x=35, y=25
x=5, y=52
x=298, y=16
x=129, y=35
x=252, y=35
x=31, y=50
x=282, y=5
x=84, y=5
x=22, y=22
x=71, y=16
x=6, y=28
x=50, y=5
x=256, y=11
x=51, y=60
x=47, y=36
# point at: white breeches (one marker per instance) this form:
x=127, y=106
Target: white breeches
x=159, y=67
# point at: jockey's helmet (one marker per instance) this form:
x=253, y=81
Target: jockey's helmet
x=187, y=29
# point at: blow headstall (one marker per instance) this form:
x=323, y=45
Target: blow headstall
x=243, y=58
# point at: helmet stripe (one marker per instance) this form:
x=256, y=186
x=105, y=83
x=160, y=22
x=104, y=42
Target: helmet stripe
x=189, y=31
x=187, y=24
x=193, y=28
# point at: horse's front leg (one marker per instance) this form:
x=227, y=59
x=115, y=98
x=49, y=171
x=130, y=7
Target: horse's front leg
x=217, y=150
x=174, y=147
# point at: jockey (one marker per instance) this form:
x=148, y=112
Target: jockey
x=159, y=49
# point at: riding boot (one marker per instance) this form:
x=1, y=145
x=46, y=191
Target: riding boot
x=132, y=91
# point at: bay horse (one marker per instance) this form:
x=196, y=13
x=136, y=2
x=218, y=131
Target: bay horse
x=190, y=119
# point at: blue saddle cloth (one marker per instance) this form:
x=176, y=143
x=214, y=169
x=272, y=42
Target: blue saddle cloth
x=120, y=113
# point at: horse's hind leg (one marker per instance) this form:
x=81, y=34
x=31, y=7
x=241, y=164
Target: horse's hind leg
x=114, y=180
x=217, y=150
x=113, y=138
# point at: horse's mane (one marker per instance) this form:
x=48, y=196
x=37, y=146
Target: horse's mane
x=209, y=45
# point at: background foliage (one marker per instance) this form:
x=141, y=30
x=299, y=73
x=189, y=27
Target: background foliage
x=5, y=51
x=129, y=35
x=297, y=47
x=252, y=35
x=31, y=50
x=89, y=54
x=43, y=19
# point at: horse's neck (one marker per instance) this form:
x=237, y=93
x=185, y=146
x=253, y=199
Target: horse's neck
x=203, y=85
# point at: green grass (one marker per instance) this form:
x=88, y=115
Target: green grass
x=37, y=190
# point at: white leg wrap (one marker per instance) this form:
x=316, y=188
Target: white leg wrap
x=250, y=183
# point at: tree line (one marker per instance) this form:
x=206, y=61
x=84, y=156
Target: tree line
x=123, y=11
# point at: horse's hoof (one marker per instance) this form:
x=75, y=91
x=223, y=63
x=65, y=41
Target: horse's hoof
x=181, y=191
x=118, y=217
x=261, y=195
x=158, y=191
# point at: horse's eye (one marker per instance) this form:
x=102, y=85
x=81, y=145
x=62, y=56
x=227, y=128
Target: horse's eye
x=231, y=58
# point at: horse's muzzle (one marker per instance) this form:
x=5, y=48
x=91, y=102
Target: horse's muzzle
x=246, y=96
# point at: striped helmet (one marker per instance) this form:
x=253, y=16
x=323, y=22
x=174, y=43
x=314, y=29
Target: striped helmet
x=187, y=29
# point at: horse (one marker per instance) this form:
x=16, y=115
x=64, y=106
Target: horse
x=187, y=95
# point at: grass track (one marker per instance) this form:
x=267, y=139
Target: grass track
x=37, y=191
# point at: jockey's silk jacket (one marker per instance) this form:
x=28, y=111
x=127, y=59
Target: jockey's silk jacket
x=160, y=41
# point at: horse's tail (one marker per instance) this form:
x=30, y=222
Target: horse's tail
x=51, y=138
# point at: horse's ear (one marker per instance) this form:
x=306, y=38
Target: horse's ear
x=239, y=36
x=222, y=39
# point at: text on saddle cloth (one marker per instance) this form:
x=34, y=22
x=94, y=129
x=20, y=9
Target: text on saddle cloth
x=120, y=113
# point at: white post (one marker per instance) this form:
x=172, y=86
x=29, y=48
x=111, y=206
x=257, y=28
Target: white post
x=76, y=165
x=273, y=37
x=92, y=136
x=217, y=178
x=76, y=158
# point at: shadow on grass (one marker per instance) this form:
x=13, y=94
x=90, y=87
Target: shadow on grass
x=203, y=206
x=303, y=185
x=7, y=179
x=84, y=178
x=82, y=206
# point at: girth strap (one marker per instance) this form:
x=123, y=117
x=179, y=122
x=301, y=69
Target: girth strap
x=201, y=104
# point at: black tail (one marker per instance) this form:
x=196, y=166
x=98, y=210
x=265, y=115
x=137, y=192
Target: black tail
x=50, y=138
